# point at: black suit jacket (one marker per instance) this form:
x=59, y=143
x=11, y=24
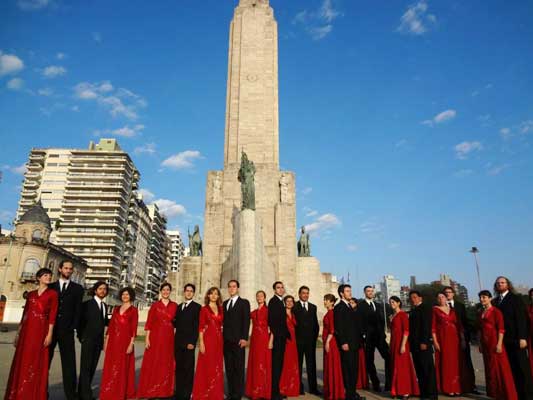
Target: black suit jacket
x=460, y=311
x=348, y=326
x=373, y=321
x=186, y=323
x=420, y=319
x=515, y=318
x=69, y=306
x=277, y=318
x=306, y=323
x=236, y=321
x=92, y=322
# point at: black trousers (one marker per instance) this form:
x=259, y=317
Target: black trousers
x=90, y=354
x=308, y=350
x=521, y=370
x=184, y=373
x=469, y=365
x=67, y=351
x=383, y=348
x=234, y=362
x=425, y=372
x=278, y=353
x=349, y=364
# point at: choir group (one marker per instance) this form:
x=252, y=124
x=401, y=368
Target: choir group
x=428, y=351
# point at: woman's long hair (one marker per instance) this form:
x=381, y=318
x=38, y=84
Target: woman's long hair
x=211, y=290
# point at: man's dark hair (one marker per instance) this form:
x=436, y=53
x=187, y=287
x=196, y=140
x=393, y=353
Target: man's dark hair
x=530, y=293
x=342, y=287
x=63, y=262
x=303, y=288
x=485, y=293
x=236, y=281
x=509, y=284
x=276, y=283
x=130, y=291
x=191, y=286
x=366, y=287
x=96, y=285
x=415, y=292
x=448, y=288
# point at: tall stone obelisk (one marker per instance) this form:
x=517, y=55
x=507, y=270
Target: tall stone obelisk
x=252, y=126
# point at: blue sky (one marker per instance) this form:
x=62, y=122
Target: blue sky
x=409, y=124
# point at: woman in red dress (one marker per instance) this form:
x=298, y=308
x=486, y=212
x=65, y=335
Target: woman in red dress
x=259, y=373
x=447, y=343
x=158, y=366
x=209, y=376
x=118, y=376
x=362, y=376
x=333, y=382
x=500, y=384
x=404, y=381
x=289, y=384
x=28, y=378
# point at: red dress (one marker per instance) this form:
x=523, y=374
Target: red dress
x=209, y=377
x=500, y=384
x=259, y=373
x=333, y=382
x=158, y=366
x=289, y=384
x=448, y=359
x=362, y=376
x=118, y=376
x=28, y=378
x=403, y=371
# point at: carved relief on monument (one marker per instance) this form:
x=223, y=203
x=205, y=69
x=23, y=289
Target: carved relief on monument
x=216, y=189
x=286, y=190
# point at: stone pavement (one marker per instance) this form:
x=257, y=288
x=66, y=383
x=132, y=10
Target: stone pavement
x=56, y=388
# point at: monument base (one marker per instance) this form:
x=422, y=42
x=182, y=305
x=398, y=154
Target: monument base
x=190, y=272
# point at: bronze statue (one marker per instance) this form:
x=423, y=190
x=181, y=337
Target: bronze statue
x=195, y=242
x=246, y=178
x=304, y=244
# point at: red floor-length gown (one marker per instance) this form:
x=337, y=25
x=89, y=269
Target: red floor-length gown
x=530, y=313
x=448, y=359
x=28, y=378
x=289, y=384
x=403, y=371
x=118, y=376
x=158, y=366
x=209, y=376
x=259, y=372
x=333, y=382
x=362, y=376
x=500, y=384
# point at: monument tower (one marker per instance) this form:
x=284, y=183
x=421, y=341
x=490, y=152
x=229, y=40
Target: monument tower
x=257, y=246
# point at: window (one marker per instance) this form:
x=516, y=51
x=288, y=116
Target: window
x=31, y=266
x=37, y=234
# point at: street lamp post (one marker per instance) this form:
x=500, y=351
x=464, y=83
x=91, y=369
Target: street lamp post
x=474, y=251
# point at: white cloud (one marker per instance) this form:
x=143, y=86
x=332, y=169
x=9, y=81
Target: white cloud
x=170, y=208
x=19, y=170
x=463, y=150
x=352, y=248
x=148, y=148
x=75, y=108
x=6, y=216
x=97, y=37
x=53, y=71
x=147, y=195
x=371, y=226
x=323, y=223
x=416, y=20
x=441, y=117
x=307, y=190
x=311, y=213
x=505, y=133
x=125, y=131
x=61, y=56
x=119, y=102
x=319, y=23
x=32, y=5
x=10, y=64
x=45, y=92
x=526, y=127
x=183, y=160
x=15, y=84
x=463, y=173
x=496, y=169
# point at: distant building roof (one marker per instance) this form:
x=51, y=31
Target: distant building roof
x=36, y=214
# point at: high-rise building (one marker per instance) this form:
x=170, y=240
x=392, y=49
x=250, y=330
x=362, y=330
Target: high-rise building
x=404, y=297
x=177, y=250
x=87, y=195
x=445, y=280
x=390, y=287
x=157, y=264
x=412, y=282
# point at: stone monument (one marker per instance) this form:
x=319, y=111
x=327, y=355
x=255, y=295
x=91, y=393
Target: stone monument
x=250, y=211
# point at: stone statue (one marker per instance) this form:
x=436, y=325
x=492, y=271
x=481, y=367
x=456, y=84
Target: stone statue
x=246, y=178
x=195, y=242
x=284, y=188
x=304, y=244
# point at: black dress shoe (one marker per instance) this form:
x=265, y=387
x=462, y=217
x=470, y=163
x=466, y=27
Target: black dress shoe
x=376, y=388
x=316, y=392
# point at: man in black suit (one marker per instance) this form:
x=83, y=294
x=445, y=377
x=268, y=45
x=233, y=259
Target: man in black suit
x=515, y=337
x=421, y=344
x=372, y=314
x=348, y=332
x=186, y=323
x=235, y=331
x=306, y=335
x=460, y=311
x=277, y=322
x=68, y=319
x=91, y=335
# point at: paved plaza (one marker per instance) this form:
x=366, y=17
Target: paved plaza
x=56, y=388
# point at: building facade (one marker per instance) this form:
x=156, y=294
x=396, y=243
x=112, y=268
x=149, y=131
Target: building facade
x=176, y=250
x=156, y=272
